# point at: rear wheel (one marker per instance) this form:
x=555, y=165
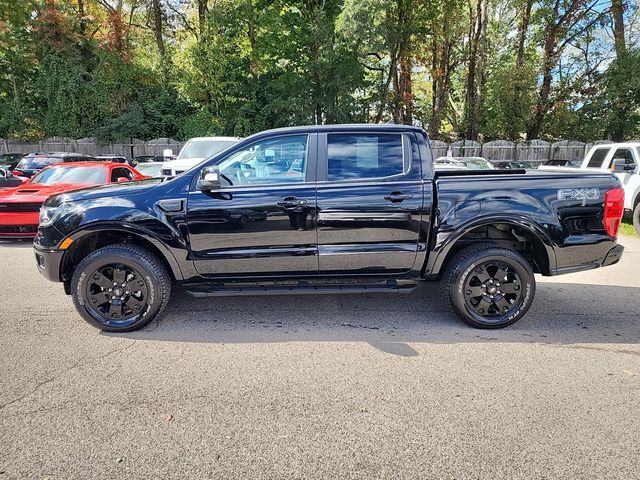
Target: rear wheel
x=120, y=288
x=489, y=286
x=636, y=218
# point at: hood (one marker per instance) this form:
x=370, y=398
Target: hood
x=110, y=190
x=34, y=192
x=183, y=164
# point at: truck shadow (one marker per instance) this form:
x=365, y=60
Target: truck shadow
x=17, y=242
x=563, y=313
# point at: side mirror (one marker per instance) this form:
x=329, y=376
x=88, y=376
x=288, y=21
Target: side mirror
x=122, y=179
x=209, y=179
x=620, y=165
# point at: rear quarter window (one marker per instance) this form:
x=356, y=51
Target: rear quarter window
x=597, y=158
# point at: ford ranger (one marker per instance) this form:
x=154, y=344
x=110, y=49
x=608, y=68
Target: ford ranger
x=327, y=210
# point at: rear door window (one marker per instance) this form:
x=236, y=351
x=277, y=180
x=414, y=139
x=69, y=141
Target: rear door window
x=597, y=158
x=363, y=156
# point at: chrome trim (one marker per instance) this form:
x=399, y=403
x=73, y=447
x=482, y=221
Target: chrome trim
x=370, y=216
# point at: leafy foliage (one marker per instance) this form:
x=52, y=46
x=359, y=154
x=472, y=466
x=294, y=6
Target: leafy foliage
x=118, y=69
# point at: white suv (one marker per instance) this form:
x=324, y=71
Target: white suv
x=195, y=151
x=627, y=157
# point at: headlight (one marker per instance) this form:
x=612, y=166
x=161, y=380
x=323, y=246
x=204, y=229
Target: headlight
x=48, y=215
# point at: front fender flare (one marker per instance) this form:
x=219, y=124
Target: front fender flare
x=135, y=230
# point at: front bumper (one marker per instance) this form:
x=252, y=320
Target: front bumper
x=49, y=262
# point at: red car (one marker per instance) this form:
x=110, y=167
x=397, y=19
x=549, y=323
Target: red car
x=20, y=206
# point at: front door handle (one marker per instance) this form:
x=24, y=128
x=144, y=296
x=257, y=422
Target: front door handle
x=291, y=202
x=398, y=196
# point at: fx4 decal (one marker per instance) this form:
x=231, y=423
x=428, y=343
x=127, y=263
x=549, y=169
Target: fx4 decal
x=579, y=194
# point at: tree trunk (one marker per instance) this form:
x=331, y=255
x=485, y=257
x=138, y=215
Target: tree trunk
x=404, y=85
x=542, y=104
x=251, y=34
x=475, y=71
x=81, y=14
x=202, y=17
x=617, y=11
x=441, y=48
x=157, y=26
x=523, y=27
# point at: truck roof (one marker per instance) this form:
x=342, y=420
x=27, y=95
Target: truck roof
x=351, y=127
x=634, y=143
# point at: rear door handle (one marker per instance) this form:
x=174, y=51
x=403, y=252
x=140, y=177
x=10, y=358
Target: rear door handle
x=290, y=202
x=398, y=196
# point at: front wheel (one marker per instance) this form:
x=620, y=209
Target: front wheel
x=489, y=286
x=120, y=288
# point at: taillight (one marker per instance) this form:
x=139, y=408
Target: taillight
x=18, y=173
x=613, y=210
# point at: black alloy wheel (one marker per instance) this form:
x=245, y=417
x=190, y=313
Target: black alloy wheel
x=116, y=294
x=489, y=286
x=120, y=288
x=492, y=289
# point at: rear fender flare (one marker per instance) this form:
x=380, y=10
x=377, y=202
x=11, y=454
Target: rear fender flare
x=442, y=248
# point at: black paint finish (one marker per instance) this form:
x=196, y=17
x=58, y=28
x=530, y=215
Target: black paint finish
x=401, y=225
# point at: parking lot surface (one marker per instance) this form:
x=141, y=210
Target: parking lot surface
x=360, y=386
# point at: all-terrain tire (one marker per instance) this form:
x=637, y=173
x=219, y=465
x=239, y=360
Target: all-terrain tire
x=476, y=281
x=143, y=288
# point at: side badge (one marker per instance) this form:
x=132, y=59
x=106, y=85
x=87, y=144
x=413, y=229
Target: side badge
x=579, y=194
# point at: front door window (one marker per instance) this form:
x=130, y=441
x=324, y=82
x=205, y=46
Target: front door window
x=280, y=160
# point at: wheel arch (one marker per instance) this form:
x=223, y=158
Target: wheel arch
x=520, y=234
x=97, y=236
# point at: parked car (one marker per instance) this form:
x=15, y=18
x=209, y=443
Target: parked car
x=363, y=212
x=515, y=165
x=10, y=160
x=562, y=163
x=195, y=151
x=9, y=180
x=19, y=206
x=34, y=162
x=111, y=158
x=150, y=169
x=624, y=160
x=440, y=165
x=151, y=159
x=471, y=163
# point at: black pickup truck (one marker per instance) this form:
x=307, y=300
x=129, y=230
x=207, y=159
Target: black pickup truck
x=324, y=210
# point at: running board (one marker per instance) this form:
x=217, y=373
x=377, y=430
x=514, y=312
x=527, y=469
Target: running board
x=301, y=288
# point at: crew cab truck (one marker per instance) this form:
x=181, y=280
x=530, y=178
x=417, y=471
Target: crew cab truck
x=325, y=210
x=624, y=160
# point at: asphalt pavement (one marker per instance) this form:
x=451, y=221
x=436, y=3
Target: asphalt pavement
x=357, y=386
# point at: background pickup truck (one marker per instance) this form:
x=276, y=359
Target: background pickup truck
x=624, y=160
x=327, y=209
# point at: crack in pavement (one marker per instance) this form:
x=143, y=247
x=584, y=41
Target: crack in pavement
x=79, y=363
x=586, y=347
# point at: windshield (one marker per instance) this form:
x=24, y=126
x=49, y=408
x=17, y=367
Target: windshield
x=36, y=163
x=478, y=164
x=83, y=175
x=203, y=148
x=150, y=169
